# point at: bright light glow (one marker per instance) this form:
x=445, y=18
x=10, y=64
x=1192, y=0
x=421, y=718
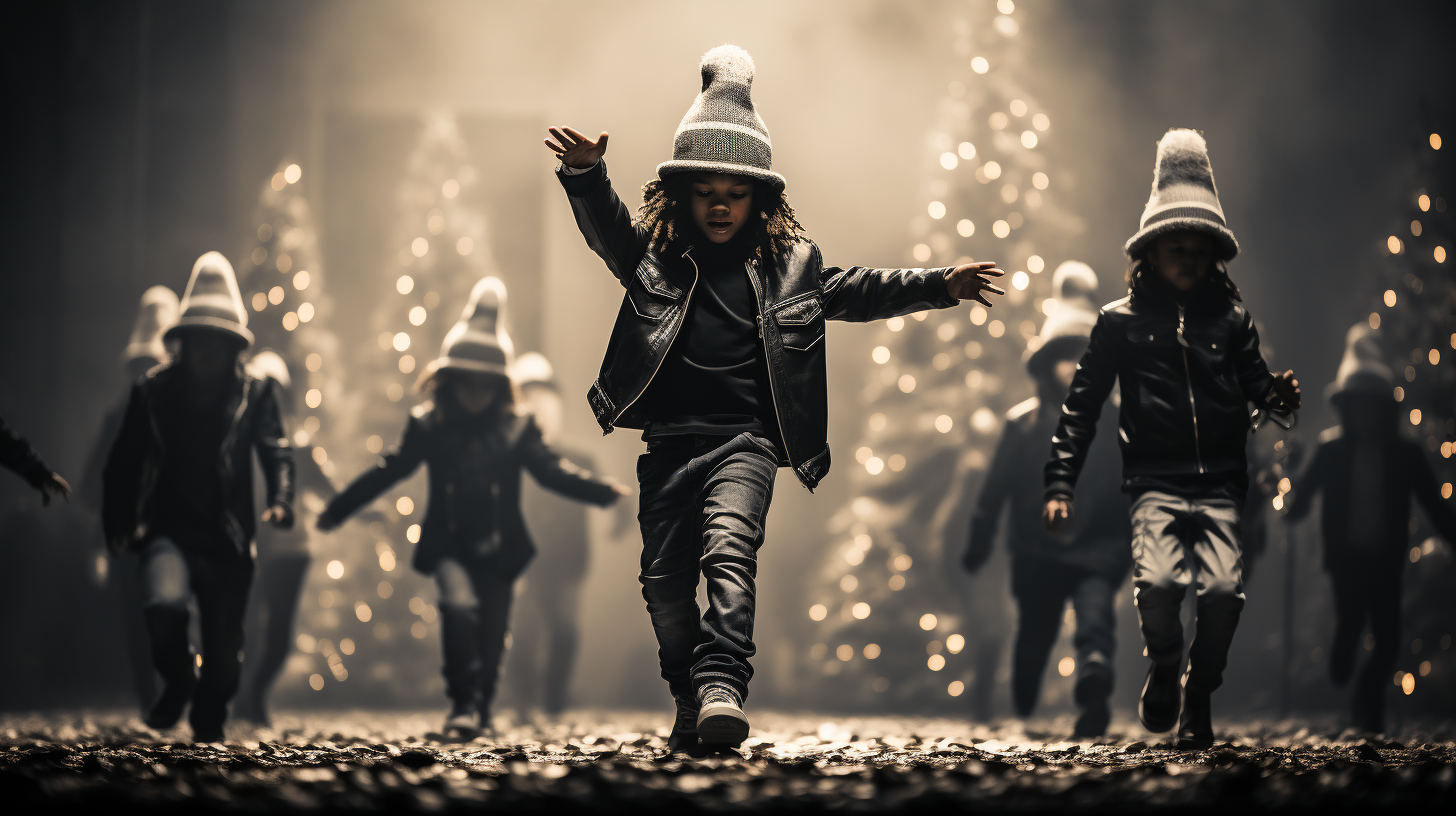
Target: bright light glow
x=284, y=263
x=849, y=583
x=419, y=246
x=928, y=621
x=944, y=423
x=966, y=150
x=412, y=534
x=1390, y=298
x=407, y=364
x=863, y=455
x=275, y=295
x=436, y=223
x=305, y=312
x=335, y=569
x=405, y=505
x=450, y=188
x=965, y=228
x=404, y=285
x=300, y=280
x=418, y=630
x=936, y=662
x=290, y=321
x=363, y=612
x=1035, y=265
x=978, y=317
x=1005, y=6
x=949, y=161
x=292, y=173
x=871, y=651
x=907, y=383
x=936, y=210
x=980, y=65
x=1435, y=145
x=999, y=120
x=954, y=644
x=860, y=611
x=1434, y=356
x=874, y=465
x=897, y=583
x=417, y=316
x=386, y=560
x=374, y=444
x=1008, y=193
x=1018, y=107
x=984, y=420
x=316, y=682
x=1028, y=139
x=465, y=245
x=1415, y=416
x=1066, y=666
x=346, y=646
x=877, y=423
x=313, y=362
x=1040, y=121
x=921, y=252
x=1393, y=244
x=1446, y=490
x=1020, y=280
x=956, y=688
x=1375, y=324
x=896, y=463
x=1408, y=683
x=1439, y=254
x=845, y=652
x=320, y=455
x=895, y=324
x=260, y=301
x=818, y=612
x=278, y=182
x=1424, y=202
x=401, y=341
x=313, y=398
x=1040, y=181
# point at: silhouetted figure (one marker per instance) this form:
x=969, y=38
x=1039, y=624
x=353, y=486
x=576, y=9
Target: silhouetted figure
x=283, y=561
x=178, y=488
x=1089, y=558
x=1368, y=472
x=473, y=541
x=1186, y=356
x=144, y=351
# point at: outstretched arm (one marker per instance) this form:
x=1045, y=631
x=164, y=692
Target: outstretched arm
x=860, y=294
x=1093, y=382
x=1272, y=392
x=556, y=473
x=393, y=466
x=17, y=454
x=275, y=455
x=601, y=216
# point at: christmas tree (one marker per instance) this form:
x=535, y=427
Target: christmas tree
x=898, y=625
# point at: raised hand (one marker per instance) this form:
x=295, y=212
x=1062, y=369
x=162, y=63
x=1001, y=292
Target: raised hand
x=53, y=486
x=1056, y=514
x=1287, y=389
x=574, y=149
x=968, y=281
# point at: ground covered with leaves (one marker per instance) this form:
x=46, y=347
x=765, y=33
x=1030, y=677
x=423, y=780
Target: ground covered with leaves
x=599, y=762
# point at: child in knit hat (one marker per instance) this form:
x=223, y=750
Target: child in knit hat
x=1186, y=356
x=718, y=357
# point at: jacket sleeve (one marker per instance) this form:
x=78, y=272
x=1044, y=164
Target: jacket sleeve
x=1310, y=483
x=860, y=294
x=393, y=466
x=554, y=472
x=1428, y=493
x=1253, y=372
x=17, y=455
x=275, y=452
x=1096, y=373
x=604, y=220
x=121, y=478
x=994, y=493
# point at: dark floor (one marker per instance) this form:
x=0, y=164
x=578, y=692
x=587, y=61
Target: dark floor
x=615, y=762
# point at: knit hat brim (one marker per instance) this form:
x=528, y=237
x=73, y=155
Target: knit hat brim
x=435, y=366
x=203, y=322
x=675, y=166
x=1227, y=245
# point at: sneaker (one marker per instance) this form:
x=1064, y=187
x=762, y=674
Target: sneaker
x=684, y=737
x=463, y=722
x=167, y=710
x=1158, y=705
x=721, y=721
x=1195, y=726
x=1094, y=686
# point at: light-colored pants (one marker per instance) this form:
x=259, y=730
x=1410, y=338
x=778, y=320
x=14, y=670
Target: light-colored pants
x=1178, y=542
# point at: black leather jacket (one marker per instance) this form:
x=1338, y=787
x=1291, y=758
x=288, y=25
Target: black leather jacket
x=796, y=294
x=487, y=530
x=1187, y=374
x=130, y=476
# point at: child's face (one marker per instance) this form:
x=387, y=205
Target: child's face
x=721, y=204
x=475, y=392
x=1183, y=258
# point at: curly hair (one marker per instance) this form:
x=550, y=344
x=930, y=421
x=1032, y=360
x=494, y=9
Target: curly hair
x=666, y=217
x=1140, y=267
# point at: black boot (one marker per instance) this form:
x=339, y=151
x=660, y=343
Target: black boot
x=464, y=721
x=1195, y=726
x=1094, y=686
x=1158, y=705
x=172, y=656
x=684, y=737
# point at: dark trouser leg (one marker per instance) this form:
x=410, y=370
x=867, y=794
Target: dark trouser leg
x=1160, y=573
x=274, y=604
x=1351, y=609
x=495, y=596
x=460, y=633
x=736, y=497
x=1383, y=593
x=1094, y=638
x=562, y=636
x=166, y=586
x=671, y=544
x=222, y=599
x=1040, y=595
x=126, y=570
x=1218, y=554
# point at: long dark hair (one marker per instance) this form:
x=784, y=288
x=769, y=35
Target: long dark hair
x=1139, y=269
x=440, y=387
x=666, y=217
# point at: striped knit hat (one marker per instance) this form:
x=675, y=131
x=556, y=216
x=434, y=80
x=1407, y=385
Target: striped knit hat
x=478, y=342
x=1184, y=196
x=212, y=300
x=1363, y=368
x=722, y=133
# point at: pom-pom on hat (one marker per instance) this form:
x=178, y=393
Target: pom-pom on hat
x=158, y=312
x=477, y=342
x=212, y=301
x=1065, y=332
x=1363, y=369
x=532, y=368
x=1184, y=196
x=722, y=132
x=267, y=364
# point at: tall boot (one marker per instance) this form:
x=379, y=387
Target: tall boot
x=172, y=657
x=459, y=628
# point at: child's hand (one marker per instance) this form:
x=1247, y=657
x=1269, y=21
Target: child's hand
x=1286, y=388
x=1057, y=513
x=576, y=150
x=968, y=281
x=52, y=486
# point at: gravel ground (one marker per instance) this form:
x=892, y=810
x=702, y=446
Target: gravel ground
x=615, y=762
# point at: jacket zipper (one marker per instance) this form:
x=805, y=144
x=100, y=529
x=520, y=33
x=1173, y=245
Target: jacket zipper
x=687, y=302
x=1188, y=377
x=767, y=357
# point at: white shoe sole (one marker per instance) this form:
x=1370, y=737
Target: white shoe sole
x=722, y=725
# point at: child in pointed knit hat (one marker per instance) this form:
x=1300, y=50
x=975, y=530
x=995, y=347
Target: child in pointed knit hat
x=1185, y=354
x=473, y=540
x=718, y=357
x=1368, y=472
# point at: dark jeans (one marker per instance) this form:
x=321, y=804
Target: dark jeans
x=171, y=574
x=475, y=614
x=1367, y=594
x=271, y=613
x=702, y=510
x=1042, y=589
x=1178, y=542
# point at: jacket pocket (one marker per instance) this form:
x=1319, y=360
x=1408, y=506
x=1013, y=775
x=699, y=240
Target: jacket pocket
x=801, y=322
x=650, y=292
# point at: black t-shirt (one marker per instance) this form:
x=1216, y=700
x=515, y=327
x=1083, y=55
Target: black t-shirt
x=189, y=500
x=714, y=380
